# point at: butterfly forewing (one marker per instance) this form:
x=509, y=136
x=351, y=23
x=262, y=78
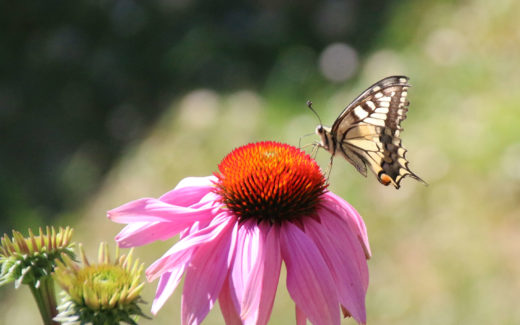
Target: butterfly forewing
x=367, y=132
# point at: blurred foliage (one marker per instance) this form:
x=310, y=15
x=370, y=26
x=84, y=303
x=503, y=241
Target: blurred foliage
x=81, y=80
x=443, y=254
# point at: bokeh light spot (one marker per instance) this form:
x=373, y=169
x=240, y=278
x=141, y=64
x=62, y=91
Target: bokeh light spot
x=338, y=62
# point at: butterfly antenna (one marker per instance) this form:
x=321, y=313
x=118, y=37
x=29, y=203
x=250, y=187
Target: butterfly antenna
x=309, y=105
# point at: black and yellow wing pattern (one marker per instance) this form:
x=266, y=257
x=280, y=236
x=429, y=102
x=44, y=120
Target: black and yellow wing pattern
x=367, y=132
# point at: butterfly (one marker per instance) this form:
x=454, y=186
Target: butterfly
x=367, y=132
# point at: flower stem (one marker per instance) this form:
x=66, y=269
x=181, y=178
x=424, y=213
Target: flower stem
x=45, y=299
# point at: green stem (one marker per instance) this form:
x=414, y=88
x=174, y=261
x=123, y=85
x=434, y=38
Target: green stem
x=46, y=300
x=51, y=298
x=40, y=302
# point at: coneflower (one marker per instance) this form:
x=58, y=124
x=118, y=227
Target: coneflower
x=31, y=261
x=267, y=204
x=107, y=292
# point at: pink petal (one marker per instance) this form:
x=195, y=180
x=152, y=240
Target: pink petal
x=167, y=285
x=309, y=280
x=176, y=260
x=229, y=305
x=206, y=274
x=301, y=319
x=260, y=291
x=208, y=200
x=247, y=250
x=152, y=210
x=345, y=259
x=337, y=227
x=213, y=204
x=196, y=181
x=151, y=220
x=181, y=252
x=142, y=233
x=341, y=207
x=189, y=191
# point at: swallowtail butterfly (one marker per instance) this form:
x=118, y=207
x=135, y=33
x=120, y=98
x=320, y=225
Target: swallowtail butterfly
x=367, y=132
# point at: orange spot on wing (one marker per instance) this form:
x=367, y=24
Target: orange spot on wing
x=385, y=179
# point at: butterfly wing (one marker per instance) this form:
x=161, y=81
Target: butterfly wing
x=367, y=132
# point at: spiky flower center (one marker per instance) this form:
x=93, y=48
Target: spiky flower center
x=106, y=290
x=270, y=181
x=100, y=280
x=27, y=260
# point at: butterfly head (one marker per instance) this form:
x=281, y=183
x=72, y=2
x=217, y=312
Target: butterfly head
x=325, y=137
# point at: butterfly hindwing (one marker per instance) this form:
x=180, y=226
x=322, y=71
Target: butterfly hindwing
x=367, y=132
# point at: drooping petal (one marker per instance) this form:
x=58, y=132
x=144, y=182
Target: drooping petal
x=342, y=255
x=301, y=319
x=196, y=181
x=339, y=229
x=189, y=191
x=336, y=204
x=206, y=274
x=152, y=210
x=167, y=285
x=246, y=254
x=309, y=280
x=181, y=252
x=142, y=233
x=260, y=290
x=217, y=210
x=209, y=200
x=229, y=305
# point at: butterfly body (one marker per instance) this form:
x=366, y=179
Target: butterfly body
x=367, y=132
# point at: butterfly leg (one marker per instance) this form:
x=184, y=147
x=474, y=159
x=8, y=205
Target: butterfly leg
x=329, y=168
x=300, y=140
x=327, y=171
x=315, y=147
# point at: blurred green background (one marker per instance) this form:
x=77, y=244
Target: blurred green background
x=103, y=102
